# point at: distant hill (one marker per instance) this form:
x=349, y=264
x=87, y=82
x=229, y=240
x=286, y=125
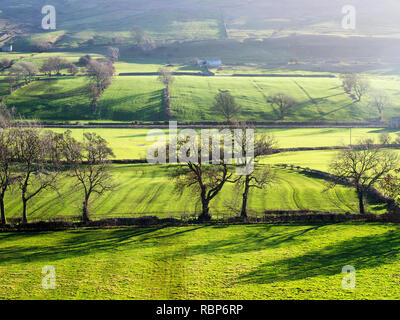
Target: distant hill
x=103, y=21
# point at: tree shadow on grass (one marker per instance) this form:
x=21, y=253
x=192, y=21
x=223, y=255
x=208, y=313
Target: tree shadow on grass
x=81, y=243
x=255, y=240
x=360, y=252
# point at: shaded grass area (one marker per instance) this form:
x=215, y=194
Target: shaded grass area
x=149, y=190
x=139, y=98
x=193, y=97
x=60, y=98
x=294, y=261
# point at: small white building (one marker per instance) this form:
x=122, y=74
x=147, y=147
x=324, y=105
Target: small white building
x=210, y=63
x=394, y=123
x=7, y=48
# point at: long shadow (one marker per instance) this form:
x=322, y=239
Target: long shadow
x=81, y=243
x=360, y=252
x=254, y=240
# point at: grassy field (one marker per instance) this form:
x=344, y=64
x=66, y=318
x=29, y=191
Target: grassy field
x=140, y=98
x=62, y=98
x=261, y=262
x=149, y=190
x=130, y=98
x=319, y=99
x=132, y=143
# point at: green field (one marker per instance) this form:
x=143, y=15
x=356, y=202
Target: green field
x=139, y=98
x=132, y=143
x=149, y=190
x=60, y=98
x=261, y=262
x=277, y=47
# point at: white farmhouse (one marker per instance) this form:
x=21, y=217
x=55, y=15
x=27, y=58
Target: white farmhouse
x=7, y=48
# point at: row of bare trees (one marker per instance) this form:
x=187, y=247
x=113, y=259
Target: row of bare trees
x=33, y=160
x=226, y=106
x=206, y=177
x=99, y=71
x=360, y=87
x=363, y=166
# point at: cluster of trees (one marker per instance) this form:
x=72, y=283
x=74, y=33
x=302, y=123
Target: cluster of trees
x=283, y=104
x=99, y=72
x=143, y=41
x=54, y=65
x=25, y=71
x=360, y=87
x=356, y=84
x=166, y=78
x=33, y=160
x=365, y=165
x=205, y=177
x=5, y=63
x=41, y=46
x=226, y=106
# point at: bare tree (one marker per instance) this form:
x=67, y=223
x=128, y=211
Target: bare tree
x=283, y=104
x=361, y=86
x=137, y=35
x=260, y=176
x=379, y=100
x=90, y=166
x=348, y=80
x=6, y=115
x=390, y=185
x=199, y=176
x=12, y=80
x=142, y=40
x=113, y=54
x=24, y=70
x=166, y=77
x=226, y=106
x=72, y=69
x=5, y=63
x=53, y=64
x=30, y=70
x=84, y=60
x=7, y=172
x=38, y=170
x=205, y=180
x=100, y=74
x=385, y=138
x=362, y=166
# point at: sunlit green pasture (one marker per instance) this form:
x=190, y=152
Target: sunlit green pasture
x=145, y=189
x=259, y=262
x=133, y=143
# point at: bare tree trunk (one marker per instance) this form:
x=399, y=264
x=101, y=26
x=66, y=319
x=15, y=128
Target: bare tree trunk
x=361, y=201
x=205, y=213
x=244, y=199
x=24, y=218
x=85, y=213
x=3, y=211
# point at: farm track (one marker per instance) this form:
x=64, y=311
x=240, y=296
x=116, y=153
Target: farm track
x=167, y=272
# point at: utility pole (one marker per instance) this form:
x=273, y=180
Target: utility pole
x=350, y=137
